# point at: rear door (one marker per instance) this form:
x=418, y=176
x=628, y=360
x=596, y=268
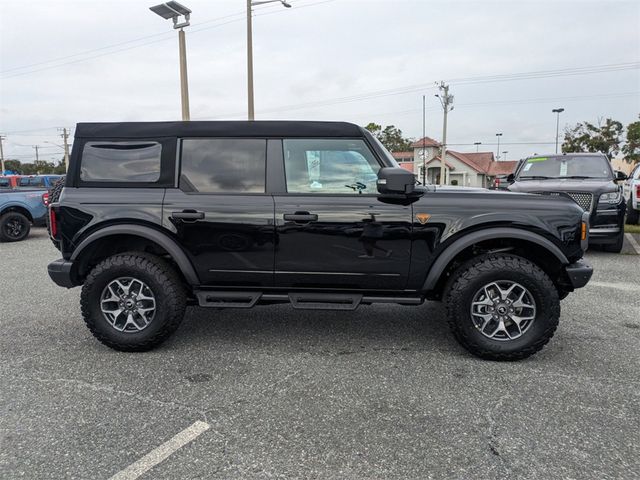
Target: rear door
x=221, y=212
x=333, y=231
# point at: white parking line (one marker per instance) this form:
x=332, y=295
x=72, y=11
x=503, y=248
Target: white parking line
x=618, y=286
x=157, y=455
x=633, y=242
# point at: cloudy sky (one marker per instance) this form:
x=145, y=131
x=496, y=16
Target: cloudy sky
x=509, y=63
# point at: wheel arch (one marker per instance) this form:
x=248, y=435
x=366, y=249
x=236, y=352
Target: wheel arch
x=19, y=209
x=126, y=237
x=529, y=245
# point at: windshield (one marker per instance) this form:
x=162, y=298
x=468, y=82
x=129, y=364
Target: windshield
x=566, y=166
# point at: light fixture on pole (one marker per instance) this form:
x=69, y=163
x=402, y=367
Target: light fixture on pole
x=558, y=111
x=173, y=11
x=250, y=3
x=477, y=144
x=498, y=149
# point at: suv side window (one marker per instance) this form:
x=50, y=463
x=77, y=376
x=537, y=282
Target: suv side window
x=223, y=165
x=330, y=166
x=131, y=161
x=31, y=182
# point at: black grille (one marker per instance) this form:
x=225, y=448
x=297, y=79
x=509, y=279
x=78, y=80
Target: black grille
x=584, y=199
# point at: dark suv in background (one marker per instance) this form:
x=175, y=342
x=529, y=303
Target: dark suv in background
x=155, y=216
x=589, y=180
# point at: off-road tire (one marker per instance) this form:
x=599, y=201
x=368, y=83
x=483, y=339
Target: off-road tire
x=633, y=215
x=472, y=276
x=54, y=196
x=12, y=217
x=163, y=280
x=616, y=246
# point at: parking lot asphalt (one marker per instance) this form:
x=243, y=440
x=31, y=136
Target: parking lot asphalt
x=383, y=392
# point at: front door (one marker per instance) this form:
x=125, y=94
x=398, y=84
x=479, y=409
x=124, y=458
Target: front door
x=332, y=230
x=221, y=212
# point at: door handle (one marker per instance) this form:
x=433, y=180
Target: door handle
x=300, y=217
x=188, y=215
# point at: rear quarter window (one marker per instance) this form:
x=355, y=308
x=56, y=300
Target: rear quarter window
x=121, y=162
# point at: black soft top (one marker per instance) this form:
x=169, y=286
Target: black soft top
x=217, y=129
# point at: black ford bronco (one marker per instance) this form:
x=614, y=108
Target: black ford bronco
x=156, y=216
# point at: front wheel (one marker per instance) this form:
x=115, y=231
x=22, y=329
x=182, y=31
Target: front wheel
x=616, y=245
x=133, y=302
x=502, y=307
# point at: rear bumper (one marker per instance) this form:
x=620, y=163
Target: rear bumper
x=60, y=273
x=579, y=273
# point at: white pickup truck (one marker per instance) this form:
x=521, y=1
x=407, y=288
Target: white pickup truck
x=631, y=190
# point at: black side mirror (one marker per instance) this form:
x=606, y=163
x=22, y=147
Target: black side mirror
x=511, y=178
x=395, y=180
x=620, y=175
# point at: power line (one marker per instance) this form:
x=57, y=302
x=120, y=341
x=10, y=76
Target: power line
x=168, y=35
x=465, y=81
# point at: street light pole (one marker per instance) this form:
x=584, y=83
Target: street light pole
x=250, y=107
x=424, y=134
x=251, y=114
x=174, y=10
x=505, y=155
x=477, y=144
x=1, y=156
x=558, y=111
x=498, y=149
x=184, y=81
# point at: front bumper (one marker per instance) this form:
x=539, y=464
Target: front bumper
x=579, y=273
x=607, y=223
x=60, y=273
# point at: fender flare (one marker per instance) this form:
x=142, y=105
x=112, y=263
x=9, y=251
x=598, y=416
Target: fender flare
x=148, y=233
x=16, y=204
x=438, y=267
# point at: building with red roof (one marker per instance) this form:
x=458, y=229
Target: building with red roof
x=477, y=169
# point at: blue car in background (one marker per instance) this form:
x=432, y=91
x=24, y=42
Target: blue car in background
x=38, y=181
x=19, y=209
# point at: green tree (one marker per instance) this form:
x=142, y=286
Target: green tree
x=391, y=137
x=13, y=165
x=631, y=148
x=586, y=137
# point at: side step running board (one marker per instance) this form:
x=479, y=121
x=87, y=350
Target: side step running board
x=298, y=300
x=227, y=299
x=324, y=301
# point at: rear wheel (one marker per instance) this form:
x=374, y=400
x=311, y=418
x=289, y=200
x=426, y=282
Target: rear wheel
x=502, y=307
x=14, y=226
x=54, y=196
x=633, y=215
x=133, y=302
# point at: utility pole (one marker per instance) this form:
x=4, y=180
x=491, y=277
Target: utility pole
x=447, y=105
x=65, y=138
x=505, y=155
x=1, y=155
x=558, y=111
x=424, y=135
x=37, y=157
x=498, y=149
x=477, y=144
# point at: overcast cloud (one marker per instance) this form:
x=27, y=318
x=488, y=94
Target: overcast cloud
x=309, y=56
